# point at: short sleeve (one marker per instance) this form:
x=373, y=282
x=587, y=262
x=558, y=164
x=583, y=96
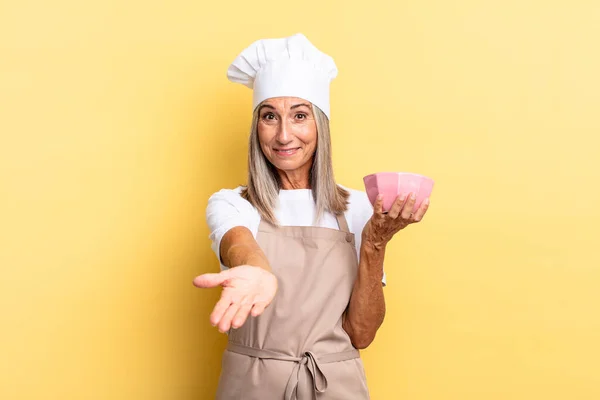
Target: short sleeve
x=361, y=211
x=227, y=209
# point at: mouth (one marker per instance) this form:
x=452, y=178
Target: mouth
x=286, y=152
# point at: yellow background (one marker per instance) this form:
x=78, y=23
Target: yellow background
x=117, y=122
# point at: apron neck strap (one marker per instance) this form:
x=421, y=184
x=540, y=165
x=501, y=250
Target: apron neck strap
x=342, y=223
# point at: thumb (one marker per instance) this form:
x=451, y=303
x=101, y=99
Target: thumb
x=378, y=206
x=211, y=280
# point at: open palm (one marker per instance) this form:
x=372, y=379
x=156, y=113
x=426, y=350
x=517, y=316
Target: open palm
x=246, y=290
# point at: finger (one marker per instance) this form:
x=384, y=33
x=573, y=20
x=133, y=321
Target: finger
x=211, y=280
x=421, y=211
x=378, y=206
x=242, y=314
x=259, y=308
x=225, y=323
x=397, y=206
x=219, y=310
x=408, y=207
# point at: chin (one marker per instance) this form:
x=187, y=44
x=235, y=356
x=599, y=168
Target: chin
x=287, y=166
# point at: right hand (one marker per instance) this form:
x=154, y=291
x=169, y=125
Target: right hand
x=246, y=290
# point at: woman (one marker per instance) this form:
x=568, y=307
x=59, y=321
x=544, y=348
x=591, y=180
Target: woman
x=301, y=255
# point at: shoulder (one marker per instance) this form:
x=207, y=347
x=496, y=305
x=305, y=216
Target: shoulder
x=359, y=210
x=230, y=197
x=224, y=193
x=227, y=208
x=358, y=202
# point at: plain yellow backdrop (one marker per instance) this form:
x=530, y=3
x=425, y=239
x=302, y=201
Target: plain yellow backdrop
x=117, y=122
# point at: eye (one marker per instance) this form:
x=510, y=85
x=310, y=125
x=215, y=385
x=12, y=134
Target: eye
x=301, y=116
x=269, y=116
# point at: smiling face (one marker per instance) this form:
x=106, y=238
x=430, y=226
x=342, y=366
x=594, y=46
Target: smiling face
x=287, y=133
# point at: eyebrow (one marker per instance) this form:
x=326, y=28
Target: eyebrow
x=266, y=106
x=292, y=107
x=299, y=105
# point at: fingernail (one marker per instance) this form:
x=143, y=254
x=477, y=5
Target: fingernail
x=379, y=197
x=413, y=196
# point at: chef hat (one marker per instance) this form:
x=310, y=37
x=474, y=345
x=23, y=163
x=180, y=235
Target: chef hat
x=290, y=66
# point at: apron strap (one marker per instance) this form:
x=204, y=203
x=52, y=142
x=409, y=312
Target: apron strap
x=307, y=365
x=342, y=223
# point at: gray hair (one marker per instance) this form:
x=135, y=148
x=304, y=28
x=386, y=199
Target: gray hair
x=263, y=186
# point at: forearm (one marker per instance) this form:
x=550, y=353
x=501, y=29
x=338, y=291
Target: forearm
x=239, y=247
x=366, y=309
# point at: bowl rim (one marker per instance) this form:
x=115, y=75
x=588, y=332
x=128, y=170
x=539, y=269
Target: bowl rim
x=399, y=173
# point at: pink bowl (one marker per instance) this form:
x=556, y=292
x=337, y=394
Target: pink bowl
x=394, y=184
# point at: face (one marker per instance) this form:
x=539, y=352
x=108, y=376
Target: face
x=287, y=133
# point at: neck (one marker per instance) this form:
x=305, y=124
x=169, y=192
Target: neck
x=297, y=179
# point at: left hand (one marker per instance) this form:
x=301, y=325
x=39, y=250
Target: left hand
x=380, y=229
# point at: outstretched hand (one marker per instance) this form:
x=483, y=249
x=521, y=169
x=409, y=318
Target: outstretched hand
x=246, y=290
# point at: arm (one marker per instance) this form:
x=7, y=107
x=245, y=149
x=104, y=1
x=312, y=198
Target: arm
x=366, y=309
x=252, y=280
x=248, y=284
x=238, y=247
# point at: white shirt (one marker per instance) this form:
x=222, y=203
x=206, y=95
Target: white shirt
x=227, y=209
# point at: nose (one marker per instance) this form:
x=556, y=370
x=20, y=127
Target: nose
x=284, y=133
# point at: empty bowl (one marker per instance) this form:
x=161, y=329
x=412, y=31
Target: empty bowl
x=394, y=184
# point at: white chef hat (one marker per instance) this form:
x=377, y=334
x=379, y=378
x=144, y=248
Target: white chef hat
x=290, y=66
